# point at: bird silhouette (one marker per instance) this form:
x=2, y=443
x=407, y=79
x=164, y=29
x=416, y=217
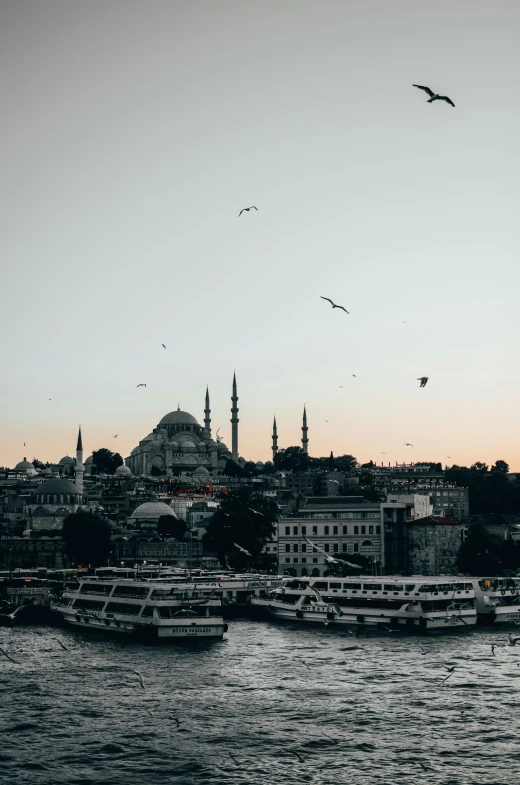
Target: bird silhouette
x=423, y=380
x=383, y=453
x=163, y=346
x=334, y=304
x=434, y=96
x=246, y=210
x=24, y=444
x=451, y=668
x=141, y=385
x=354, y=375
x=407, y=444
x=115, y=437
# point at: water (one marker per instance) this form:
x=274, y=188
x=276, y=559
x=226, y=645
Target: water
x=358, y=709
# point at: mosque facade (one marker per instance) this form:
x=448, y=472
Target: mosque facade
x=180, y=445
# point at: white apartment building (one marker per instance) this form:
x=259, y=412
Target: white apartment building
x=341, y=526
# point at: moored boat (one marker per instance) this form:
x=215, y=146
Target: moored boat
x=497, y=599
x=144, y=610
x=412, y=603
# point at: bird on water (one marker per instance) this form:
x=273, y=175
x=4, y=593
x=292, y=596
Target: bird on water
x=434, y=96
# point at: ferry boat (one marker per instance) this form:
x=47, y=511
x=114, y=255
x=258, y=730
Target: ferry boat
x=497, y=599
x=420, y=603
x=144, y=610
x=236, y=591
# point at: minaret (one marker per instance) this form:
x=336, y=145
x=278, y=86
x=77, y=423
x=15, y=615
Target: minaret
x=207, y=412
x=79, y=463
x=234, y=421
x=275, y=439
x=305, y=440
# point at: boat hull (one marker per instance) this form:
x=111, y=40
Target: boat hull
x=212, y=628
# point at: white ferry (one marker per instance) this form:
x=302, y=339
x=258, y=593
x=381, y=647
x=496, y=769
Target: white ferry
x=146, y=610
x=497, y=599
x=412, y=603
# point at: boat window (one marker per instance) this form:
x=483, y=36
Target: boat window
x=427, y=588
x=88, y=605
x=96, y=588
x=321, y=585
x=164, y=612
x=147, y=611
x=372, y=586
x=289, y=598
x=409, y=587
x=131, y=591
x=392, y=587
x=123, y=607
x=334, y=585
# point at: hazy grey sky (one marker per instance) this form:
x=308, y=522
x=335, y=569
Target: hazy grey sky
x=132, y=135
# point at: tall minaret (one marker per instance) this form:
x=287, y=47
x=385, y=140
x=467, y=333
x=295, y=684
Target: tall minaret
x=79, y=463
x=207, y=412
x=234, y=421
x=275, y=439
x=305, y=440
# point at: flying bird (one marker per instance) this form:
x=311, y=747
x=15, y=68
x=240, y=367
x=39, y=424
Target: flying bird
x=246, y=209
x=334, y=304
x=163, y=346
x=407, y=444
x=447, y=677
x=115, y=437
x=141, y=682
x=256, y=512
x=434, y=96
x=241, y=549
x=450, y=669
x=8, y=656
x=141, y=385
x=354, y=375
x=383, y=453
x=61, y=644
x=423, y=380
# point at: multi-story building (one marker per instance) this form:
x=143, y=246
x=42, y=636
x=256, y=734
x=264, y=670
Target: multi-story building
x=340, y=525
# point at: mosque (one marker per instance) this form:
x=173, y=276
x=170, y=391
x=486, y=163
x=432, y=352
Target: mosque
x=179, y=445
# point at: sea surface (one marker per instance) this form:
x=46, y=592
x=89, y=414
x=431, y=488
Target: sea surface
x=271, y=703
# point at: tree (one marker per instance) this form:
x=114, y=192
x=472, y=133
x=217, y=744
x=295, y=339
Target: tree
x=87, y=538
x=106, y=461
x=37, y=464
x=168, y=526
x=479, y=553
x=292, y=459
x=499, y=466
x=233, y=469
x=480, y=467
x=245, y=518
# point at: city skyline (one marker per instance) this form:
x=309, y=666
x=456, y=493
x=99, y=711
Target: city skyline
x=130, y=150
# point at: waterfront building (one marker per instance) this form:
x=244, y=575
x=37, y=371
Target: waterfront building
x=340, y=525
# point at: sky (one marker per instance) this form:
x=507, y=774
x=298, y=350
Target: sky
x=133, y=134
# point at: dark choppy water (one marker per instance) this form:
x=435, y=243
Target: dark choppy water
x=359, y=709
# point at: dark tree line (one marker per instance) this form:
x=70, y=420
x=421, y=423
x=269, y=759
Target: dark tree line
x=490, y=490
x=295, y=460
x=486, y=554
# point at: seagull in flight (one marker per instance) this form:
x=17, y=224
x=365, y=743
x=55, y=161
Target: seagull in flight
x=246, y=209
x=354, y=375
x=163, y=346
x=241, y=549
x=141, y=385
x=334, y=304
x=450, y=669
x=141, y=682
x=115, y=437
x=383, y=453
x=423, y=380
x=256, y=512
x=407, y=444
x=434, y=96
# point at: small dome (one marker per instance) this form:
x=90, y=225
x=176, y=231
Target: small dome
x=89, y=460
x=221, y=447
x=201, y=447
x=149, y=438
x=200, y=471
x=47, y=472
x=174, y=446
x=178, y=418
x=25, y=466
x=66, y=461
x=259, y=465
x=269, y=463
x=188, y=446
x=123, y=471
x=151, y=511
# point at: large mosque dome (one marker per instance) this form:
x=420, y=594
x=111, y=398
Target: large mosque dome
x=25, y=466
x=178, y=418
